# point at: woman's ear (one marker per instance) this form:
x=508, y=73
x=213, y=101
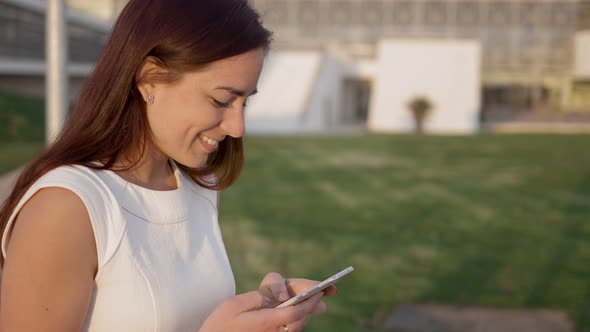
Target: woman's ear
x=144, y=77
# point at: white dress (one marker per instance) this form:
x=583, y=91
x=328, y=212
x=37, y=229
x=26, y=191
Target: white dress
x=162, y=264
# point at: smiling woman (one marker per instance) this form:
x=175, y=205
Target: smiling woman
x=114, y=226
x=208, y=106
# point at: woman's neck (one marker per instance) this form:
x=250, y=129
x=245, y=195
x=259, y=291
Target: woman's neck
x=153, y=171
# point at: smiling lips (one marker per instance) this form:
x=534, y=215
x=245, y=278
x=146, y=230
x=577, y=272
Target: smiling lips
x=209, y=143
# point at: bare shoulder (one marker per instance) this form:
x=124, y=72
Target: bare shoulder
x=50, y=264
x=52, y=211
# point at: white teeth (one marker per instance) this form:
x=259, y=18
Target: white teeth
x=209, y=140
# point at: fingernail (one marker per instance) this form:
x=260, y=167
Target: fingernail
x=266, y=301
x=284, y=296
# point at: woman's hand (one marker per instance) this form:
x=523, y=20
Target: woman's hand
x=249, y=313
x=279, y=290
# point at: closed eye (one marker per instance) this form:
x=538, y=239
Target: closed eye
x=225, y=105
x=221, y=104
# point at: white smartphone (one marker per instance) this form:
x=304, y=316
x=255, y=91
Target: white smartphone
x=316, y=289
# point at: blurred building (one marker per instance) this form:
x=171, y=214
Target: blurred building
x=106, y=10
x=532, y=50
x=533, y=58
x=22, y=46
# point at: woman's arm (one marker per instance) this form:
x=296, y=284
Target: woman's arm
x=50, y=266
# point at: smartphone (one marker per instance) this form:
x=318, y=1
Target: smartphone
x=316, y=289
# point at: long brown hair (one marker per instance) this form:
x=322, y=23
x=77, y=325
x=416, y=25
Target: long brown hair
x=109, y=118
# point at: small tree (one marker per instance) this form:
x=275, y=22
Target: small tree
x=420, y=107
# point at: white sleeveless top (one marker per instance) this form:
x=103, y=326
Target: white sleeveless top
x=162, y=264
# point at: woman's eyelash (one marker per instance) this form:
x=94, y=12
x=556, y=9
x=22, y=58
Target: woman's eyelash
x=224, y=105
x=220, y=104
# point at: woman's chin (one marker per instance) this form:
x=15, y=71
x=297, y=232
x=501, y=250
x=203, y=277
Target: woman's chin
x=193, y=163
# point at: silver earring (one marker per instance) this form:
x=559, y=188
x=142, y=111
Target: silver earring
x=150, y=99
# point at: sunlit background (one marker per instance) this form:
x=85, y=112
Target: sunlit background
x=439, y=147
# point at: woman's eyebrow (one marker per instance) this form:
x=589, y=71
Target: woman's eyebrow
x=236, y=91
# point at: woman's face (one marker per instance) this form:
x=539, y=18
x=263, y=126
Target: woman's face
x=190, y=117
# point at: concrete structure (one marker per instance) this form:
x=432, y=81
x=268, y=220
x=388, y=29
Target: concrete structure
x=447, y=73
x=106, y=10
x=582, y=55
x=526, y=63
x=581, y=72
x=311, y=91
x=300, y=92
x=56, y=77
x=527, y=45
x=22, y=47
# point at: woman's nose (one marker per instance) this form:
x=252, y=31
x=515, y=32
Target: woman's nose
x=233, y=123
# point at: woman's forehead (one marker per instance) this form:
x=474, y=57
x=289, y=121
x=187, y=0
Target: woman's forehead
x=240, y=72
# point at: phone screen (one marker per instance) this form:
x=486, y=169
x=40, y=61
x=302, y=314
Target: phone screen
x=316, y=289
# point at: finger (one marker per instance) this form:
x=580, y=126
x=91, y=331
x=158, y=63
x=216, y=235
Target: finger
x=320, y=308
x=331, y=291
x=279, y=291
x=274, y=317
x=247, y=302
x=282, y=316
x=309, y=304
x=275, y=284
x=271, y=278
x=299, y=311
x=300, y=324
x=299, y=285
x=293, y=313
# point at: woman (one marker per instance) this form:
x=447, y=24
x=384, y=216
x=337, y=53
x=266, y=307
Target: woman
x=114, y=226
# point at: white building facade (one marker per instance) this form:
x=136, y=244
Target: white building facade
x=315, y=92
x=522, y=55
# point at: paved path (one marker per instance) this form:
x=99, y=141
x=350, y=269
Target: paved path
x=445, y=318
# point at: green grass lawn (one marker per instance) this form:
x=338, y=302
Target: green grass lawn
x=21, y=118
x=22, y=129
x=14, y=155
x=490, y=220
x=499, y=221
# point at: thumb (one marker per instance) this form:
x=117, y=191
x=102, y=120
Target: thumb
x=248, y=301
x=279, y=291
